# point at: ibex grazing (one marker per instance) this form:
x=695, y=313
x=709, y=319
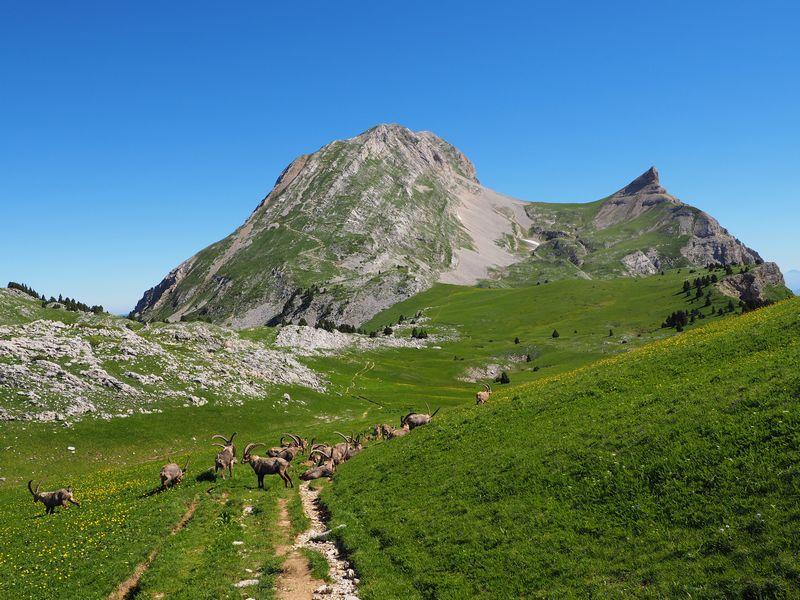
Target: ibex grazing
x=325, y=469
x=413, y=420
x=226, y=457
x=482, y=397
x=267, y=466
x=52, y=500
x=172, y=474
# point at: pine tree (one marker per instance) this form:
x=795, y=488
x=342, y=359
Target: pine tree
x=555, y=333
x=516, y=340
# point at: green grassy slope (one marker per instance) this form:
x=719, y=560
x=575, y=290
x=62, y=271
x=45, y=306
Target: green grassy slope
x=668, y=471
x=117, y=462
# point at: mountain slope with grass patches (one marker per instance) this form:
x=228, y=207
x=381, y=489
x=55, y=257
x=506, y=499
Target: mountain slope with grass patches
x=364, y=223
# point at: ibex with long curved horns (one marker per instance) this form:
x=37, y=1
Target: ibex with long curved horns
x=350, y=447
x=172, y=474
x=325, y=469
x=413, y=420
x=482, y=397
x=287, y=451
x=52, y=500
x=294, y=441
x=267, y=466
x=226, y=457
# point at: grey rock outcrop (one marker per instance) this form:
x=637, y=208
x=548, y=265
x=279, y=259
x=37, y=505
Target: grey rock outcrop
x=755, y=285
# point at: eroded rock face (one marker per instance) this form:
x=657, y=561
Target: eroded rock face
x=640, y=263
x=753, y=286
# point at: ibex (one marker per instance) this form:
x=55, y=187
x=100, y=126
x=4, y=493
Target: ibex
x=267, y=466
x=350, y=447
x=396, y=433
x=226, y=457
x=172, y=474
x=287, y=451
x=52, y=500
x=413, y=419
x=482, y=397
x=325, y=450
x=295, y=441
x=325, y=469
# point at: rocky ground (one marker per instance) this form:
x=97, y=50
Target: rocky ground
x=54, y=371
x=110, y=367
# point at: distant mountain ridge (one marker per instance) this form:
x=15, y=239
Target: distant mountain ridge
x=366, y=222
x=793, y=280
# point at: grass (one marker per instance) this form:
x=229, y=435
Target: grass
x=668, y=471
x=317, y=564
x=117, y=462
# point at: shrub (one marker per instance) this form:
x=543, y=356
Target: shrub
x=555, y=333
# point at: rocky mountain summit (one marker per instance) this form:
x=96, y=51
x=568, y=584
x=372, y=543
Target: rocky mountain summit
x=366, y=222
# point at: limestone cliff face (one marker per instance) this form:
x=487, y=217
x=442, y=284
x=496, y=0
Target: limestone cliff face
x=346, y=232
x=756, y=285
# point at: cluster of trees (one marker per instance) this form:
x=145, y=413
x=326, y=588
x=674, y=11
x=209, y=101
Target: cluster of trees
x=68, y=303
x=503, y=378
x=699, y=283
x=729, y=268
x=681, y=318
x=678, y=319
x=419, y=334
x=74, y=305
x=13, y=285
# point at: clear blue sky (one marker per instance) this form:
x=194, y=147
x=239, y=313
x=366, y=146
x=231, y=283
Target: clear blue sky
x=133, y=134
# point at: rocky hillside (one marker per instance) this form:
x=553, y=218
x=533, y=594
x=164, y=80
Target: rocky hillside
x=367, y=222
x=639, y=230
x=57, y=365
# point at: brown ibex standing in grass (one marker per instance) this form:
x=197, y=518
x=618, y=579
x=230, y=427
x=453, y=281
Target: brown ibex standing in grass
x=172, y=474
x=482, y=397
x=226, y=457
x=51, y=500
x=267, y=466
x=413, y=419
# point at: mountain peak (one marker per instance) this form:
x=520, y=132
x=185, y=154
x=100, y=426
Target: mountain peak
x=647, y=182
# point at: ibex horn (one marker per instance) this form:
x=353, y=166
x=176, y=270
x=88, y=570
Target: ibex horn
x=218, y=444
x=222, y=437
x=186, y=466
x=294, y=438
x=251, y=446
x=434, y=412
x=30, y=489
x=343, y=436
x=486, y=385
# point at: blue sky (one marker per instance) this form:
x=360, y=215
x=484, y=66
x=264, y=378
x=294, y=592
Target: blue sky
x=133, y=134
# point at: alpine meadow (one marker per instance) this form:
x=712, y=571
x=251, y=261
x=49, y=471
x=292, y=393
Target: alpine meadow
x=381, y=376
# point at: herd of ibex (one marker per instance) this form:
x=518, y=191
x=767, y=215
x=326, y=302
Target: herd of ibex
x=323, y=458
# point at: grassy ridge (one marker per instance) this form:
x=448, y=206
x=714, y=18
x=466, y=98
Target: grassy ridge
x=668, y=471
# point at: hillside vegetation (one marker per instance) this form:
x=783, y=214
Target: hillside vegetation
x=114, y=465
x=671, y=470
